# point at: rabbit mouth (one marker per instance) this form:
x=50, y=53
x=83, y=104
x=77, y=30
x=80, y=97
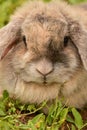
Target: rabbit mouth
x=41, y=81
x=44, y=83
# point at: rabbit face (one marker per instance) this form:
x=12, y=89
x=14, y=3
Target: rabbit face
x=45, y=54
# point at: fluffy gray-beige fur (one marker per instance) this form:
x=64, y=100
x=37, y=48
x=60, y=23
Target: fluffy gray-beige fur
x=43, y=54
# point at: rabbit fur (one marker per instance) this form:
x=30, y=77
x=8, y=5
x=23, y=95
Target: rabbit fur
x=43, y=54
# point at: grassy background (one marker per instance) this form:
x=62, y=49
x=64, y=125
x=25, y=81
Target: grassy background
x=7, y=7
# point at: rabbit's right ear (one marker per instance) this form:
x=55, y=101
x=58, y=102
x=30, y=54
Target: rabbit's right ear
x=9, y=35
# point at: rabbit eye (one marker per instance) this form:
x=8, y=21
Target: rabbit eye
x=24, y=40
x=66, y=40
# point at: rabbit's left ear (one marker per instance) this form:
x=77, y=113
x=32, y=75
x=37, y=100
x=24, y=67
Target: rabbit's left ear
x=78, y=34
x=9, y=35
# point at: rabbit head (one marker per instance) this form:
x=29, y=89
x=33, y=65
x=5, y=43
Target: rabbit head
x=45, y=47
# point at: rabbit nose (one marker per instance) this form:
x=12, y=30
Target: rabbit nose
x=44, y=67
x=44, y=73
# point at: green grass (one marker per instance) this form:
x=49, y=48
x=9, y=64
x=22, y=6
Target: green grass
x=17, y=116
x=7, y=7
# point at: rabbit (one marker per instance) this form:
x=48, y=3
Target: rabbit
x=43, y=54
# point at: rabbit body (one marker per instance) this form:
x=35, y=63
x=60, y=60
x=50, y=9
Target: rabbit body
x=43, y=52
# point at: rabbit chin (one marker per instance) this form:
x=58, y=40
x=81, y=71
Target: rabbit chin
x=35, y=92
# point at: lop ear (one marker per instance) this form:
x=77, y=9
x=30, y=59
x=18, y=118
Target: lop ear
x=78, y=35
x=9, y=35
